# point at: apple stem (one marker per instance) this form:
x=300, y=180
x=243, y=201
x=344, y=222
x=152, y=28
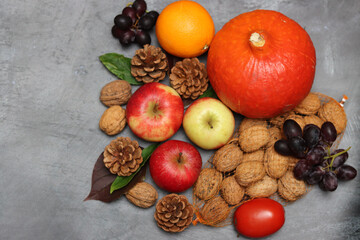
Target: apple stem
x=155, y=109
x=180, y=158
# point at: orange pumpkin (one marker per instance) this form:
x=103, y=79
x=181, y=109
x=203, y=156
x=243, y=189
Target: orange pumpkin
x=261, y=64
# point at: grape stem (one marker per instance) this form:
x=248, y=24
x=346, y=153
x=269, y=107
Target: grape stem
x=334, y=156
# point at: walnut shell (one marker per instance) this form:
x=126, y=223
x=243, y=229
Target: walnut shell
x=276, y=164
x=313, y=119
x=249, y=172
x=249, y=122
x=279, y=120
x=333, y=112
x=214, y=211
x=297, y=118
x=262, y=188
x=117, y=92
x=275, y=135
x=142, y=194
x=254, y=138
x=290, y=188
x=231, y=191
x=113, y=120
x=208, y=183
x=254, y=156
x=227, y=158
x=292, y=161
x=309, y=106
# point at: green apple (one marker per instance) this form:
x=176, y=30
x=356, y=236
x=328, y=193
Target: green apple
x=209, y=123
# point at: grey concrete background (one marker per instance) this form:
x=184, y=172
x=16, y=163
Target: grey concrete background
x=50, y=79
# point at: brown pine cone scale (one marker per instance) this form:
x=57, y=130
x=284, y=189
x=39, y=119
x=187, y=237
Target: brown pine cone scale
x=174, y=213
x=189, y=78
x=123, y=156
x=149, y=64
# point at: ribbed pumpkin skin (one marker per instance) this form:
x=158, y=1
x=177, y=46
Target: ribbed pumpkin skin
x=267, y=81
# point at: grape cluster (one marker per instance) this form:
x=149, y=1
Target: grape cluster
x=133, y=24
x=317, y=164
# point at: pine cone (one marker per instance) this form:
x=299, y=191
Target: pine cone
x=189, y=78
x=149, y=64
x=123, y=156
x=174, y=213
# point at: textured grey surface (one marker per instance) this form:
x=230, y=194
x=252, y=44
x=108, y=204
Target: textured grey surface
x=50, y=79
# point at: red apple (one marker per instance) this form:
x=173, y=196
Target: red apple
x=175, y=165
x=154, y=112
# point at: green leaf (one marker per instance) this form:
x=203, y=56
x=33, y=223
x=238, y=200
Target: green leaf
x=120, y=181
x=209, y=93
x=120, y=66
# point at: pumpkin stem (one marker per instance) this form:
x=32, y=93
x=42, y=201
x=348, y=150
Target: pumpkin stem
x=257, y=40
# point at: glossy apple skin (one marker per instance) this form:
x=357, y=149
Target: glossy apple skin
x=155, y=112
x=175, y=166
x=209, y=123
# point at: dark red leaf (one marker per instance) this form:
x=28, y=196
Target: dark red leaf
x=102, y=179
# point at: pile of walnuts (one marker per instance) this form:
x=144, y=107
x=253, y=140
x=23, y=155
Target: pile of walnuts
x=249, y=167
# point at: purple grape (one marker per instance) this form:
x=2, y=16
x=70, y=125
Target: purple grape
x=130, y=12
x=281, y=147
x=153, y=14
x=311, y=135
x=146, y=22
x=116, y=32
x=140, y=7
x=302, y=169
x=315, y=155
x=292, y=129
x=127, y=37
x=329, y=182
x=339, y=160
x=346, y=172
x=297, y=146
x=315, y=176
x=328, y=132
x=142, y=38
x=123, y=22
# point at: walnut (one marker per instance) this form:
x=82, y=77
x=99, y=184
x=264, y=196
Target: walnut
x=309, y=106
x=257, y=156
x=231, y=191
x=279, y=120
x=297, y=118
x=143, y=195
x=262, y=188
x=249, y=122
x=113, y=120
x=333, y=112
x=254, y=138
x=214, y=211
x=227, y=158
x=275, y=135
x=208, y=183
x=313, y=119
x=290, y=188
x=249, y=172
x=117, y=92
x=276, y=164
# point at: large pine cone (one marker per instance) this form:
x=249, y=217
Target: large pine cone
x=174, y=213
x=189, y=78
x=149, y=64
x=123, y=156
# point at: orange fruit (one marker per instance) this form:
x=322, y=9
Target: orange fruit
x=185, y=29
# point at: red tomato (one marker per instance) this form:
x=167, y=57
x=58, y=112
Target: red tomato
x=259, y=217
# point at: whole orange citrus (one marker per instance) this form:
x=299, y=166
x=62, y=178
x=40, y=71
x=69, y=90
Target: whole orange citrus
x=185, y=29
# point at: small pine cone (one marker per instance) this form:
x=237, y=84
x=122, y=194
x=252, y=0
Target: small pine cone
x=173, y=213
x=189, y=78
x=149, y=64
x=123, y=156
